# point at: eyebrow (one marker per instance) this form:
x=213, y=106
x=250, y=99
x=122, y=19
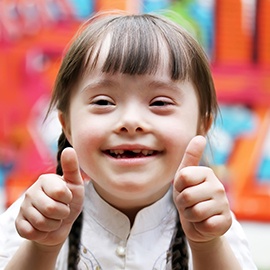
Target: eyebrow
x=165, y=84
x=99, y=83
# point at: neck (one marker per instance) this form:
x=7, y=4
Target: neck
x=128, y=203
x=131, y=213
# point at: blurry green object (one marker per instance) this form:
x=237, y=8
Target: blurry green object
x=197, y=17
x=179, y=12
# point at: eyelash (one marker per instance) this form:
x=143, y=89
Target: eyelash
x=160, y=103
x=102, y=102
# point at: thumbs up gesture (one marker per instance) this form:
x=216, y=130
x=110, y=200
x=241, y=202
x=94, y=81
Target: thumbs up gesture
x=52, y=204
x=200, y=197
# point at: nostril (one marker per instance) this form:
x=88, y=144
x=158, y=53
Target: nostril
x=139, y=129
x=131, y=129
x=123, y=129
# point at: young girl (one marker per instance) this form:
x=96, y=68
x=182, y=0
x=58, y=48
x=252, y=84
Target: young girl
x=135, y=99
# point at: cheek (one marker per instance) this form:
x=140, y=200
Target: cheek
x=177, y=144
x=84, y=127
x=177, y=140
x=86, y=138
x=86, y=146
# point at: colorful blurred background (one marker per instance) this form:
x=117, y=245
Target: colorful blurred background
x=234, y=33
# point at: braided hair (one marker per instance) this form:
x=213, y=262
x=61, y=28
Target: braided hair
x=75, y=232
x=178, y=252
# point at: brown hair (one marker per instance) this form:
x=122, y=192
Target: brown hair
x=136, y=46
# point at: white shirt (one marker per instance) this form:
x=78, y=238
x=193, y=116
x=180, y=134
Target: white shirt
x=107, y=242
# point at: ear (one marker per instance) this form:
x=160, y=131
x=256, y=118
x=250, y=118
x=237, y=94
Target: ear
x=65, y=126
x=205, y=125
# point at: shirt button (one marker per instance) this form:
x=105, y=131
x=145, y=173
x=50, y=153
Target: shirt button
x=121, y=251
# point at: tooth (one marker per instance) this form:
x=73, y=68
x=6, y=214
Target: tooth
x=145, y=152
x=150, y=152
x=136, y=151
x=119, y=152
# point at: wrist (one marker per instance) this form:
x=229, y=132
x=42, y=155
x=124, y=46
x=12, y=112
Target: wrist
x=32, y=255
x=45, y=248
x=213, y=254
x=207, y=246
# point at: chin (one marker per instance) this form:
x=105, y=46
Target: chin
x=131, y=187
x=145, y=190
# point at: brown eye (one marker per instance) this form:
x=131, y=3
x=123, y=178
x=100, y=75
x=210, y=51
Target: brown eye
x=160, y=103
x=103, y=102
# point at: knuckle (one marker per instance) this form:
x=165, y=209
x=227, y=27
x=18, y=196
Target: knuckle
x=198, y=212
x=185, y=197
x=39, y=223
x=50, y=209
x=24, y=229
x=217, y=226
x=44, y=178
x=208, y=227
x=184, y=173
x=56, y=211
x=62, y=193
x=27, y=196
x=18, y=226
x=211, y=225
x=221, y=195
x=195, y=214
x=60, y=187
x=228, y=219
x=221, y=190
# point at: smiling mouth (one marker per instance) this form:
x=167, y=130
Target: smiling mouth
x=131, y=153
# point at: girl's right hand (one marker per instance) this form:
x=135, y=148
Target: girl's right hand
x=52, y=204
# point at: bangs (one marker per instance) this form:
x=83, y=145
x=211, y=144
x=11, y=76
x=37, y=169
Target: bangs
x=139, y=45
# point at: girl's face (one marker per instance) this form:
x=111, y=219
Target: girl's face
x=130, y=133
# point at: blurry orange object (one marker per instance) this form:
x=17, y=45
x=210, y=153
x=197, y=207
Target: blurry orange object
x=234, y=37
x=250, y=198
x=128, y=5
x=263, y=32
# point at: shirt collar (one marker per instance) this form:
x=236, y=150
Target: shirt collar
x=116, y=222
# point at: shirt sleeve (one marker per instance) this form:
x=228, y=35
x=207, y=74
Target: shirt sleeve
x=10, y=240
x=239, y=244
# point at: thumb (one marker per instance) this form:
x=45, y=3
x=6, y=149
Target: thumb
x=193, y=153
x=72, y=176
x=70, y=167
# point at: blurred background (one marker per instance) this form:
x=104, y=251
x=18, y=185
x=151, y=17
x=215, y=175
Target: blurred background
x=234, y=33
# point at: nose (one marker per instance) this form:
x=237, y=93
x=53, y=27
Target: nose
x=132, y=120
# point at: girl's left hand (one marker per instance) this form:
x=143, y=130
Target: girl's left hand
x=200, y=197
